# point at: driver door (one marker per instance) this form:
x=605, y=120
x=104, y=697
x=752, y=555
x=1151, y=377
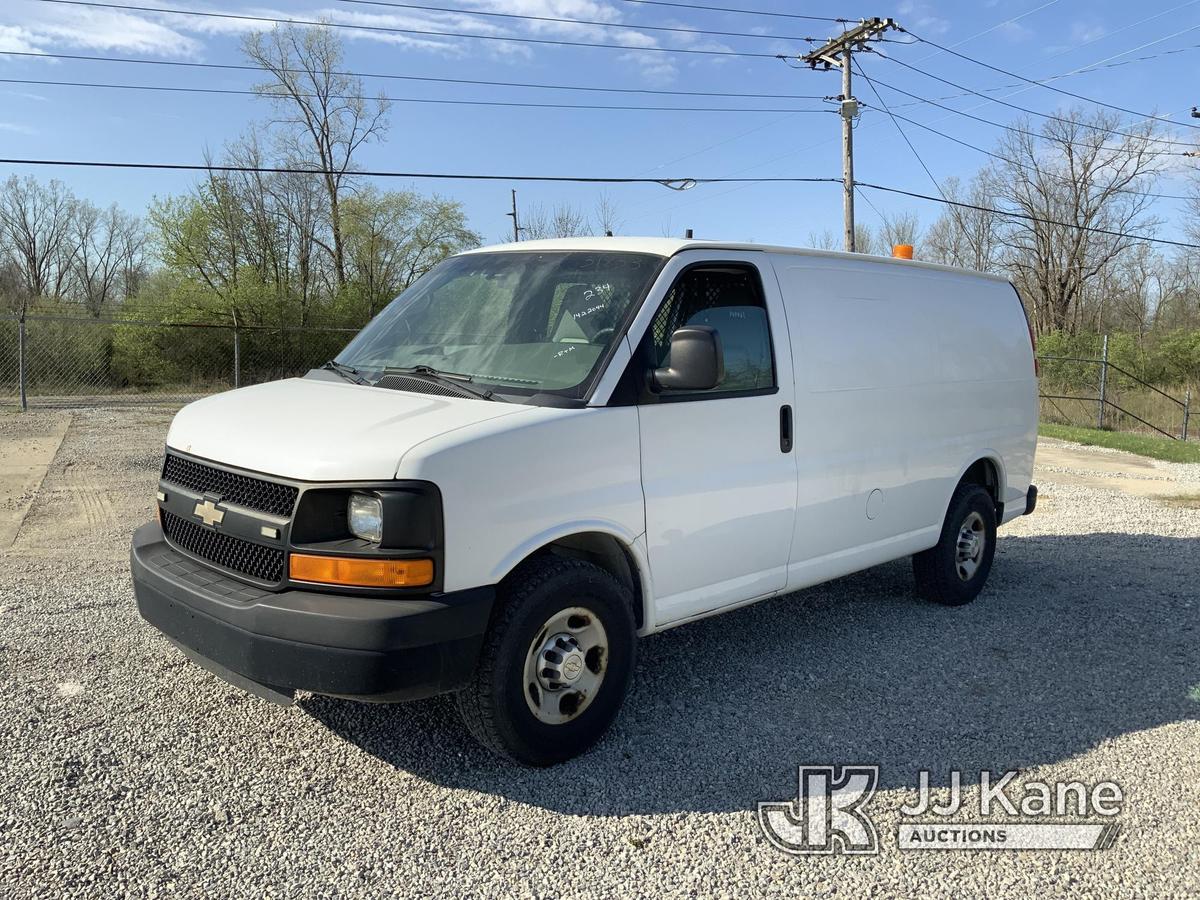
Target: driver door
x=718, y=471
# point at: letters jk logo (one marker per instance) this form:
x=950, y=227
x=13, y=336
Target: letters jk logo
x=829, y=814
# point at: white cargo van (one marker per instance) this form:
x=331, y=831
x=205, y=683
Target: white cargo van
x=543, y=451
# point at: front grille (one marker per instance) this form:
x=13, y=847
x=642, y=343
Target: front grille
x=241, y=490
x=255, y=560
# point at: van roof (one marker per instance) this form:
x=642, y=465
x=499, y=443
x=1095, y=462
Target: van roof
x=660, y=246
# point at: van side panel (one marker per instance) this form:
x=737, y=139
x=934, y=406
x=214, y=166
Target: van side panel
x=904, y=377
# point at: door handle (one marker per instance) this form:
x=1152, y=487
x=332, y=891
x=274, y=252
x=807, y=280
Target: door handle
x=785, y=429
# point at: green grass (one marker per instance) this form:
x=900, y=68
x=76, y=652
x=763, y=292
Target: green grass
x=1141, y=444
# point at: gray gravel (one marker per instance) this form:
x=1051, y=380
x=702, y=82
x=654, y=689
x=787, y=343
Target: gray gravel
x=124, y=769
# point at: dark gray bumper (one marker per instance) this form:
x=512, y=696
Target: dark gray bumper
x=351, y=646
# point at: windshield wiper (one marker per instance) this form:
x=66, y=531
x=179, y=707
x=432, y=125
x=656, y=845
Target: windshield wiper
x=455, y=379
x=348, y=372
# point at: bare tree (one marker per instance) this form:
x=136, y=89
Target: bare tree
x=899, y=228
x=108, y=245
x=14, y=295
x=561, y=221
x=967, y=236
x=608, y=219
x=324, y=117
x=1193, y=208
x=1077, y=185
x=823, y=240
x=864, y=238
x=1179, y=299
x=35, y=220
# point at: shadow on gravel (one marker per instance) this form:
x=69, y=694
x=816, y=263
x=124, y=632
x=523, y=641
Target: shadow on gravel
x=1076, y=640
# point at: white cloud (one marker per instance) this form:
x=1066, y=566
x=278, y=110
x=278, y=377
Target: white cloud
x=43, y=27
x=16, y=40
x=29, y=26
x=921, y=17
x=25, y=95
x=1087, y=32
x=656, y=68
x=1014, y=31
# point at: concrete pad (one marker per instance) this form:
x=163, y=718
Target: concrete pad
x=25, y=458
x=1067, y=463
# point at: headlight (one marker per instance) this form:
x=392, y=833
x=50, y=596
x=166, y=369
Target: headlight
x=365, y=515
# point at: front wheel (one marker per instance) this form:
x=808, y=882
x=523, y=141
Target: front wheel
x=953, y=572
x=556, y=662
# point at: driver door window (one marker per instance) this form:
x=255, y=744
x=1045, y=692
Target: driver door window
x=730, y=300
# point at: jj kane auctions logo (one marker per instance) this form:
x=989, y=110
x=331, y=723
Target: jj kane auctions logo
x=831, y=814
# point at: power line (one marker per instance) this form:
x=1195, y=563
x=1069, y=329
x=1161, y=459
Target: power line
x=730, y=9
x=967, y=39
x=1028, y=218
x=838, y=53
x=1085, y=70
x=233, y=67
x=1049, y=87
x=433, y=100
x=241, y=17
x=1034, y=134
x=1024, y=109
x=911, y=147
x=1014, y=162
x=591, y=22
x=673, y=183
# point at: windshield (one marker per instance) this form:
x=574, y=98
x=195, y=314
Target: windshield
x=519, y=323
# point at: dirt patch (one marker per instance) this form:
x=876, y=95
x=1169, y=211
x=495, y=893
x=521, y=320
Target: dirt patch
x=1113, y=470
x=28, y=445
x=96, y=486
x=1182, y=501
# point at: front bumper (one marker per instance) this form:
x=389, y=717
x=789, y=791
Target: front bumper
x=367, y=648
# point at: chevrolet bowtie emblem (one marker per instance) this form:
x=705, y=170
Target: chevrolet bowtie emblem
x=208, y=513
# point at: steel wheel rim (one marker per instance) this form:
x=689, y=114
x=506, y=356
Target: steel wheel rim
x=565, y=665
x=972, y=541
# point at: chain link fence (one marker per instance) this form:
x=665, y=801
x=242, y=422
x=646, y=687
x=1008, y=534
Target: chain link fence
x=68, y=361
x=1096, y=393
x=79, y=361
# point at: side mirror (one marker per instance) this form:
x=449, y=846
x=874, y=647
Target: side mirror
x=697, y=361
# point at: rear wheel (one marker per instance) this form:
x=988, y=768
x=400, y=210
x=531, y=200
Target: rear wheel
x=954, y=572
x=555, y=664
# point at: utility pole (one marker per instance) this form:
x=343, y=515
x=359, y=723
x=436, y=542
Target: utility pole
x=516, y=224
x=838, y=52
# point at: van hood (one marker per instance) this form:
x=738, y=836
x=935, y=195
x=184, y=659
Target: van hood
x=312, y=429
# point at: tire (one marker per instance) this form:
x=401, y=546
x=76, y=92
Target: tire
x=948, y=574
x=526, y=705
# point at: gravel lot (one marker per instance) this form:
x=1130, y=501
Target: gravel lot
x=124, y=769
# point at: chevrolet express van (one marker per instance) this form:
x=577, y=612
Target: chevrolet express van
x=542, y=452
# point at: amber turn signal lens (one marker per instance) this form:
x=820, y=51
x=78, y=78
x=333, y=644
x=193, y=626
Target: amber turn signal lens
x=361, y=572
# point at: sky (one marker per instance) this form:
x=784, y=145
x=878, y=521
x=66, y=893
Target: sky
x=1036, y=38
